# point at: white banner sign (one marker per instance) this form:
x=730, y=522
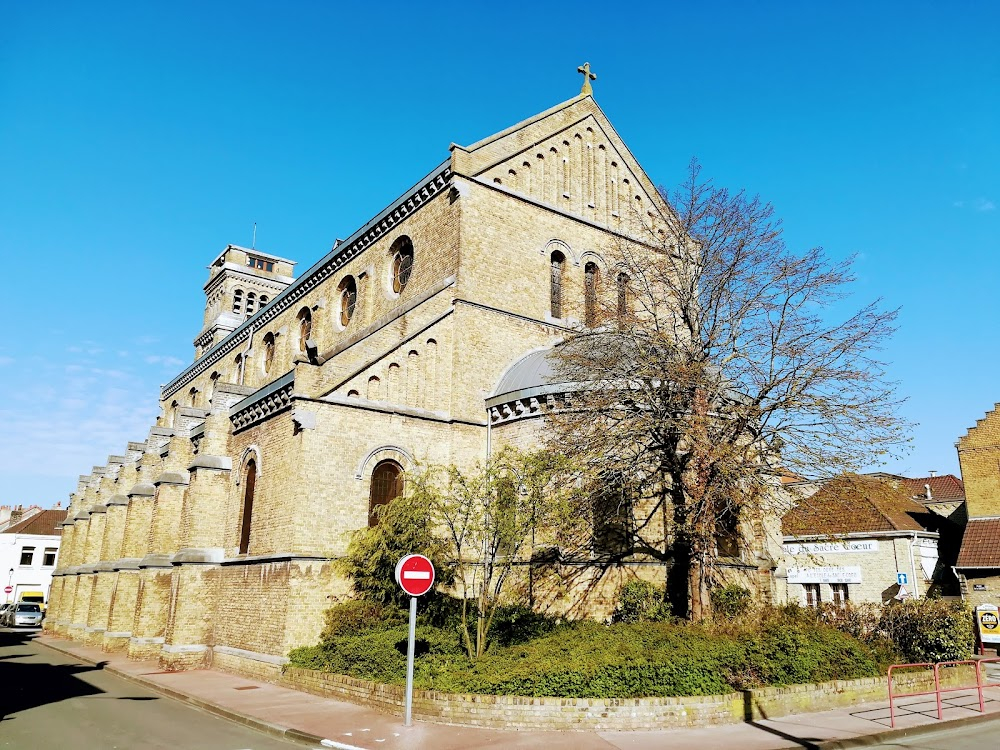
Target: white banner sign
x=829, y=548
x=840, y=574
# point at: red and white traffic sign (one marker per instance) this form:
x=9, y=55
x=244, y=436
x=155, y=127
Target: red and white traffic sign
x=415, y=574
x=8, y=589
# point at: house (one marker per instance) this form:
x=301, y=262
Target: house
x=861, y=539
x=29, y=553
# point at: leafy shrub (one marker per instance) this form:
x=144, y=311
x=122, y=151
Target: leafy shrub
x=515, y=624
x=358, y=615
x=641, y=601
x=730, y=601
x=790, y=654
x=378, y=655
x=588, y=659
x=929, y=630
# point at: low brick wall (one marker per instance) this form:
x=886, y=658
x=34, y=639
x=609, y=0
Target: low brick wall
x=519, y=712
x=604, y=714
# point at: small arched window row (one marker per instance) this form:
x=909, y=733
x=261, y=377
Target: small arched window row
x=238, y=301
x=557, y=265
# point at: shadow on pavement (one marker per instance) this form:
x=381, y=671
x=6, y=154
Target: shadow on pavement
x=29, y=684
x=808, y=743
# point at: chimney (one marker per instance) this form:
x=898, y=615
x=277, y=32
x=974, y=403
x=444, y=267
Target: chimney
x=927, y=491
x=933, y=473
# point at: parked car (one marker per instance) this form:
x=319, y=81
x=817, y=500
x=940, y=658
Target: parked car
x=24, y=616
x=4, y=609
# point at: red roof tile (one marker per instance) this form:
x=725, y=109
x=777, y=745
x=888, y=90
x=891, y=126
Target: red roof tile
x=853, y=504
x=980, y=544
x=43, y=523
x=945, y=487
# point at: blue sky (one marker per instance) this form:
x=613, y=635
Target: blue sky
x=138, y=139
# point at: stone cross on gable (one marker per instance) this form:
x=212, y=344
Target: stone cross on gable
x=587, y=78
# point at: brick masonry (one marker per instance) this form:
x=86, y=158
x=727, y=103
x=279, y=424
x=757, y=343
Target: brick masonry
x=603, y=714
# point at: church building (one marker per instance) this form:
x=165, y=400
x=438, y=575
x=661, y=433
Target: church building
x=419, y=338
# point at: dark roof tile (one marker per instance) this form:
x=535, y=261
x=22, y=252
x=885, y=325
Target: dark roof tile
x=980, y=544
x=43, y=524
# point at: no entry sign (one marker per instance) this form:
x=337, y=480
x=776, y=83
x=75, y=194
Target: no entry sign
x=8, y=589
x=415, y=574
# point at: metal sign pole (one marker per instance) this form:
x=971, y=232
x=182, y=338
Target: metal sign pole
x=408, y=719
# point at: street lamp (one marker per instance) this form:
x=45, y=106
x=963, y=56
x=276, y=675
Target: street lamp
x=10, y=577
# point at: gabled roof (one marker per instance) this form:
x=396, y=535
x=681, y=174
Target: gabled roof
x=853, y=504
x=570, y=158
x=943, y=488
x=42, y=524
x=980, y=544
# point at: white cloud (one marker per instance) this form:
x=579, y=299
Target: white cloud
x=165, y=360
x=985, y=204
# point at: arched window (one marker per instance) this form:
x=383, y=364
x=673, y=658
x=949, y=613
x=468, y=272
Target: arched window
x=348, y=300
x=193, y=397
x=249, y=484
x=268, y=359
x=557, y=260
x=305, y=327
x=251, y=303
x=621, y=282
x=238, y=369
x=387, y=485
x=213, y=381
x=238, y=302
x=263, y=301
x=591, y=278
x=401, y=253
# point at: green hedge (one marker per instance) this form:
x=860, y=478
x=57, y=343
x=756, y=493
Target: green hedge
x=588, y=659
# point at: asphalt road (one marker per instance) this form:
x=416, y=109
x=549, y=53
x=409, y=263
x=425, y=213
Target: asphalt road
x=48, y=700
x=983, y=736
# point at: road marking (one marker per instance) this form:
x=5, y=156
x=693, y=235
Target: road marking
x=421, y=575
x=340, y=745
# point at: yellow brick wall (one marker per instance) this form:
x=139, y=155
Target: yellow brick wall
x=979, y=457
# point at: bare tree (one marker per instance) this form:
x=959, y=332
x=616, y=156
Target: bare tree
x=721, y=358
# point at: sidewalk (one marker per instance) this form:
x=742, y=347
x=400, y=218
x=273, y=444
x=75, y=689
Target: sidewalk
x=322, y=722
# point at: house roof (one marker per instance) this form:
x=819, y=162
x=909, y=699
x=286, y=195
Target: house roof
x=943, y=488
x=980, y=544
x=853, y=504
x=42, y=524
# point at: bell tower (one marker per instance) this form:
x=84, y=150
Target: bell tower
x=240, y=282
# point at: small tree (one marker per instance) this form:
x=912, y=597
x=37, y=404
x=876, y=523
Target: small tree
x=722, y=358
x=486, y=517
x=405, y=526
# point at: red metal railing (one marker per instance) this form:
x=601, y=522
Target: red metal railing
x=936, y=692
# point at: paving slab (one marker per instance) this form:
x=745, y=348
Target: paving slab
x=326, y=722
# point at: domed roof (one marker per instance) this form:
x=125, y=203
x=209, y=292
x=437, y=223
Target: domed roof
x=533, y=375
